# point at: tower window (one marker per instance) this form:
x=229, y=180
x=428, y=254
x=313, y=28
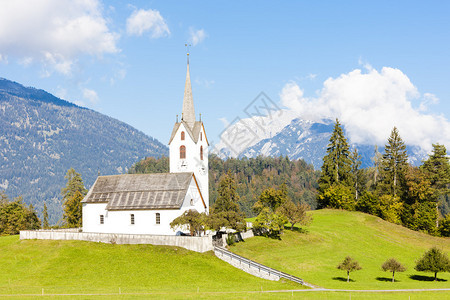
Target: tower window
x=182, y=135
x=182, y=152
x=200, y=136
x=132, y=219
x=102, y=219
x=201, y=152
x=158, y=218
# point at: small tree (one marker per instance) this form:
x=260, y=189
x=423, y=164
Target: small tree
x=73, y=193
x=393, y=266
x=45, y=224
x=194, y=220
x=349, y=265
x=269, y=224
x=295, y=213
x=434, y=260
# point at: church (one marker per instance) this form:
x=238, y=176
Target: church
x=147, y=203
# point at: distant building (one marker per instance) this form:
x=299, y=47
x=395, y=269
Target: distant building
x=147, y=203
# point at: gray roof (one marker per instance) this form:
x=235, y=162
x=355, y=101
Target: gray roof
x=194, y=132
x=140, y=191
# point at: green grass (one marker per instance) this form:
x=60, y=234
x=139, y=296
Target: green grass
x=335, y=234
x=58, y=267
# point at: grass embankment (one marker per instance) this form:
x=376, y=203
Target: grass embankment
x=59, y=267
x=335, y=234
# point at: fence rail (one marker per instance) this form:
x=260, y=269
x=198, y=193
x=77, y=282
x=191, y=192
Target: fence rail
x=255, y=265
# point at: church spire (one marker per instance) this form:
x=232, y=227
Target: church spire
x=188, y=113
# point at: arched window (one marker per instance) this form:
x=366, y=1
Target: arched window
x=182, y=152
x=182, y=135
x=201, y=152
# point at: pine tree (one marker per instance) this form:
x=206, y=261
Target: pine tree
x=336, y=163
x=437, y=167
x=394, y=162
x=72, y=194
x=356, y=172
x=45, y=224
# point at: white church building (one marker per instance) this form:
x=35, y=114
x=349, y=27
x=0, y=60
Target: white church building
x=147, y=203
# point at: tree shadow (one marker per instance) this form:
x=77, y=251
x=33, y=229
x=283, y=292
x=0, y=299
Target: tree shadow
x=386, y=279
x=344, y=279
x=425, y=278
x=296, y=229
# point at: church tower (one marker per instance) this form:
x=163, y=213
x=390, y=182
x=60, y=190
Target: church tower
x=188, y=145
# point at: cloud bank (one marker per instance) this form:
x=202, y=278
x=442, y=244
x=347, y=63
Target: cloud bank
x=147, y=21
x=369, y=104
x=54, y=32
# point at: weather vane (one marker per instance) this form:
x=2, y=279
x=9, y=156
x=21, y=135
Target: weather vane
x=187, y=49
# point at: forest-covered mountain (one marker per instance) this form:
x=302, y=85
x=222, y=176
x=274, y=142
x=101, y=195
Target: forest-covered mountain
x=42, y=136
x=252, y=176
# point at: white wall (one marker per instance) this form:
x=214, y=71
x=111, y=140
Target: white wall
x=119, y=221
x=194, y=163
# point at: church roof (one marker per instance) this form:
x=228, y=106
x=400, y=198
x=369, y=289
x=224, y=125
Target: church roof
x=140, y=191
x=188, y=113
x=194, y=133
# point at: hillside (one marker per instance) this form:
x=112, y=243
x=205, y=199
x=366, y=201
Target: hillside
x=42, y=136
x=83, y=267
x=335, y=234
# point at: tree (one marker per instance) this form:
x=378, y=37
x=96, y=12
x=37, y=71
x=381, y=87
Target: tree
x=437, y=167
x=269, y=224
x=295, y=213
x=271, y=198
x=336, y=163
x=349, y=265
x=228, y=197
x=16, y=216
x=394, y=162
x=434, y=260
x=390, y=208
x=194, y=221
x=73, y=211
x=337, y=196
x=377, y=158
x=226, y=212
x=444, y=226
x=356, y=172
x=45, y=224
x=73, y=193
x=393, y=266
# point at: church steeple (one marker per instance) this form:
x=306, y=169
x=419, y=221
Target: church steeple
x=188, y=113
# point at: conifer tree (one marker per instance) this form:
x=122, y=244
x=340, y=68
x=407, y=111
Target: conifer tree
x=72, y=194
x=437, y=166
x=394, y=162
x=45, y=224
x=356, y=172
x=336, y=163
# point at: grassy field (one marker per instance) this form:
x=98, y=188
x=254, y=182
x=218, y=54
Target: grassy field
x=146, y=271
x=58, y=267
x=335, y=234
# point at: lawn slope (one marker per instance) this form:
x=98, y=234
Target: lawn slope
x=335, y=234
x=28, y=266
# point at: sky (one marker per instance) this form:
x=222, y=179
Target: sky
x=373, y=65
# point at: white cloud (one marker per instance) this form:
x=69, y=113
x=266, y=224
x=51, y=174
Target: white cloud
x=369, y=104
x=142, y=21
x=54, y=32
x=90, y=95
x=196, y=36
x=205, y=82
x=3, y=59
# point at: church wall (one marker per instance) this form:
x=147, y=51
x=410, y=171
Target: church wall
x=119, y=221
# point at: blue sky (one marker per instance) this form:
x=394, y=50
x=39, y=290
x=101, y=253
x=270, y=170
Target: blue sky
x=127, y=59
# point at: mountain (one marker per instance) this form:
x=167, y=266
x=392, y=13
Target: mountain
x=300, y=139
x=42, y=136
